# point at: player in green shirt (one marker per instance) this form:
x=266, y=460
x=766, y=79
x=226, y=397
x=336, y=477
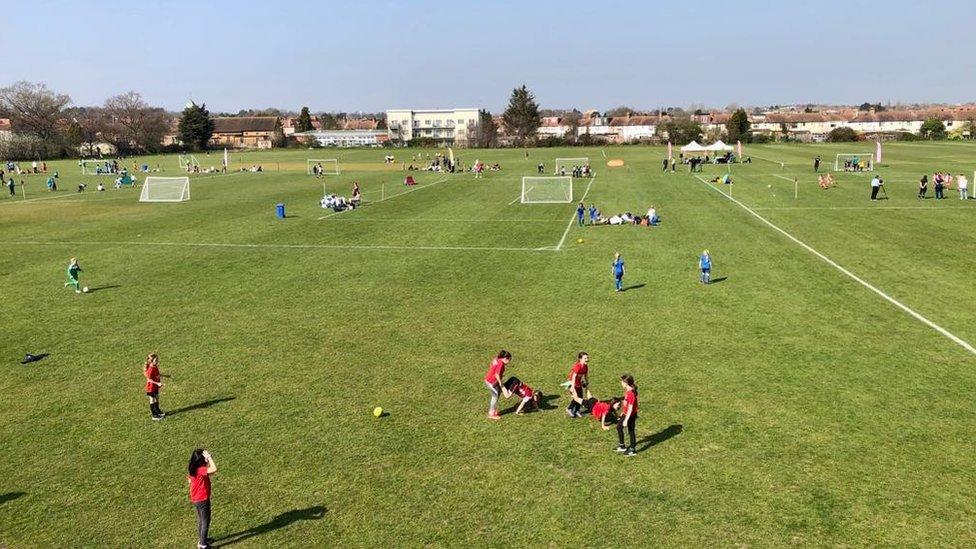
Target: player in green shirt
x=73, y=270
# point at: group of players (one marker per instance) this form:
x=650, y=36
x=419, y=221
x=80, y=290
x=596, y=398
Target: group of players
x=619, y=410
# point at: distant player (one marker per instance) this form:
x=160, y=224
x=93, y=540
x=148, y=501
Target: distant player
x=664, y=165
x=605, y=410
x=541, y=168
x=705, y=264
x=577, y=384
x=816, y=164
x=153, y=385
x=73, y=269
x=594, y=214
x=493, y=380
x=525, y=393
x=580, y=211
x=628, y=416
x=618, y=272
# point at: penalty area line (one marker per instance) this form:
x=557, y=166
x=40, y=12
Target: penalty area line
x=280, y=246
x=573, y=217
x=911, y=312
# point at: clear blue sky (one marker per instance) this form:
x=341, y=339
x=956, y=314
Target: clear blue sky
x=372, y=55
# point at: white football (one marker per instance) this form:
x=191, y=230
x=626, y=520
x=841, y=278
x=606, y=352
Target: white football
x=85, y=289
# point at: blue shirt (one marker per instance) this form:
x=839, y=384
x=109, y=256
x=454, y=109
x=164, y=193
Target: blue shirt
x=618, y=268
x=705, y=262
x=592, y=212
x=579, y=211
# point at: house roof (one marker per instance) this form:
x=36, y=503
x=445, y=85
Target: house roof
x=239, y=124
x=360, y=124
x=635, y=120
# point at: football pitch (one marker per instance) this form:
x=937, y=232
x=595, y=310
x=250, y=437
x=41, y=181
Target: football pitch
x=819, y=392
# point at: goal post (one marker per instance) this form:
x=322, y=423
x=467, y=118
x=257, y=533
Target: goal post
x=547, y=190
x=854, y=162
x=330, y=166
x=165, y=189
x=96, y=167
x=566, y=164
x=187, y=162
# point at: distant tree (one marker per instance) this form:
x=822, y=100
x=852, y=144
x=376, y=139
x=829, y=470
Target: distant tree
x=864, y=107
x=196, y=127
x=785, y=130
x=622, y=110
x=380, y=122
x=737, y=127
x=842, y=134
x=808, y=109
x=933, y=128
x=33, y=109
x=134, y=123
x=680, y=130
x=86, y=128
x=522, y=118
x=304, y=121
x=331, y=121
x=485, y=134
x=572, y=122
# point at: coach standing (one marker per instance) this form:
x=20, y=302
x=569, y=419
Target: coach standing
x=199, y=470
x=875, y=185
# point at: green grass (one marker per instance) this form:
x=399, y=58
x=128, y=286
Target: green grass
x=786, y=405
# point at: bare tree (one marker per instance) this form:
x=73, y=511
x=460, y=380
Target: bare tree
x=134, y=123
x=33, y=109
x=88, y=124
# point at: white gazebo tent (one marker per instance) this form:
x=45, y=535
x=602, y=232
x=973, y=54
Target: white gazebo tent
x=718, y=146
x=693, y=148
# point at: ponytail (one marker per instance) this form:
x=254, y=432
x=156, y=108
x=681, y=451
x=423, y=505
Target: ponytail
x=504, y=354
x=629, y=380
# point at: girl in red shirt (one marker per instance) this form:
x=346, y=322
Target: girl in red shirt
x=604, y=410
x=578, y=382
x=628, y=416
x=153, y=384
x=493, y=380
x=525, y=393
x=201, y=467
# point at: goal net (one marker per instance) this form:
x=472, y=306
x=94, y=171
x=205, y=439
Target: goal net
x=165, y=189
x=322, y=166
x=188, y=162
x=863, y=162
x=97, y=167
x=564, y=166
x=547, y=190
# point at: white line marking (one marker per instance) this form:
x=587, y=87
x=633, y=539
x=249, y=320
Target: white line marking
x=278, y=246
x=782, y=177
x=517, y=198
x=853, y=276
x=604, y=153
x=573, y=217
x=933, y=208
x=388, y=198
x=445, y=220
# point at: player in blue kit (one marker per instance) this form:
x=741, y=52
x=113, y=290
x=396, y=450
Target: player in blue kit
x=618, y=271
x=705, y=264
x=580, y=210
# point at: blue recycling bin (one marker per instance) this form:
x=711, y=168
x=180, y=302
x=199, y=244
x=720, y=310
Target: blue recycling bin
x=280, y=211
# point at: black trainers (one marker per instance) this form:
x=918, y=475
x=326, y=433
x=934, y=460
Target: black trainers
x=630, y=452
x=621, y=448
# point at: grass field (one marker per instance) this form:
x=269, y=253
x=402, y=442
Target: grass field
x=788, y=404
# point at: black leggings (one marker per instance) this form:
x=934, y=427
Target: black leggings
x=631, y=429
x=203, y=521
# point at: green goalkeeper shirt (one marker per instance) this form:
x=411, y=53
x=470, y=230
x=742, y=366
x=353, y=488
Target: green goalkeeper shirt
x=73, y=271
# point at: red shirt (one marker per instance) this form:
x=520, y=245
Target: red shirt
x=497, y=369
x=200, y=485
x=601, y=409
x=580, y=370
x=524, y=391
x=630, y=403
x=152, y=373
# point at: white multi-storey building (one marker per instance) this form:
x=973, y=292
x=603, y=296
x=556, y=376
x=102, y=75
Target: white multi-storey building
x=445, y=126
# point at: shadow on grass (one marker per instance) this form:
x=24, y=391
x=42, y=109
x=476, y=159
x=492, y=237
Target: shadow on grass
x=100, y=288
x=633, y=287
x=719, y=279
x=33, y=358
x=281, y=521
x=198, y=406
x=650, y=441
x=10, y=496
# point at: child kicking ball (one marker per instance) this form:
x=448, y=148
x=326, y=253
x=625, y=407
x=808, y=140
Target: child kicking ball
x=73, y=269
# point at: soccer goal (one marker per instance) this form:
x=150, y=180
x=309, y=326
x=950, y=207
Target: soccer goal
x=547, y=190
x=329, y=166
x=863, y=162
x=565, y=165
x=96, y=167
x=165, y=189
x=188, y=161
